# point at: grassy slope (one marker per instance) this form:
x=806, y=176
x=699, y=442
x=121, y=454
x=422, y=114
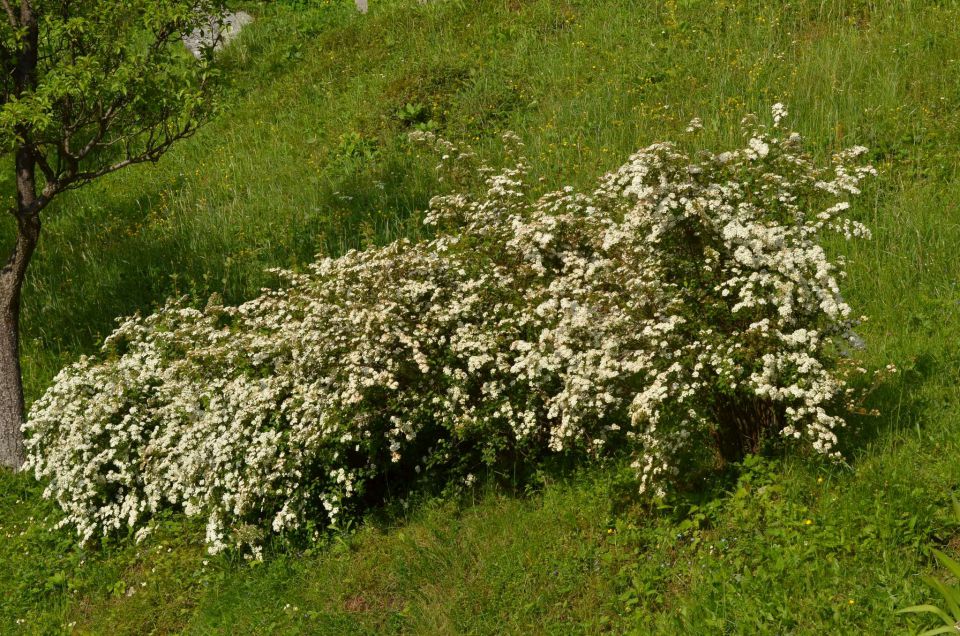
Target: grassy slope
x=307, y=157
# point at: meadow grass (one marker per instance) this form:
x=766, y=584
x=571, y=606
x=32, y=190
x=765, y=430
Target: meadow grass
x=308, y=156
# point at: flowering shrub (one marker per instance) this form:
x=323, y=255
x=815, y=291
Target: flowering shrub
x=685, y=304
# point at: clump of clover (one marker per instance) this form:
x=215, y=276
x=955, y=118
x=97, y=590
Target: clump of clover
x=686, y=303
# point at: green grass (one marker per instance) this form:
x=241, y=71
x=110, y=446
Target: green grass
x=308, y=156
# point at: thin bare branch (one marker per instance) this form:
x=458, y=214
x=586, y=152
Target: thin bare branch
x=11, y=16
x=154, y=151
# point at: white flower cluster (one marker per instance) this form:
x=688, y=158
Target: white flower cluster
x=684, y=304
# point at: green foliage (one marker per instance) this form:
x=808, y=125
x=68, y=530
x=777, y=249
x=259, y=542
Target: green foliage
x=950, y=615
x=353, y=150
x=417, y=117
x=118, y=65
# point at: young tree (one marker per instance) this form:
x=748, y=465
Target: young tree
x=88, y=87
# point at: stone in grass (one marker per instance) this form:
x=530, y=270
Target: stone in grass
x=218, y=34
x=362, y=5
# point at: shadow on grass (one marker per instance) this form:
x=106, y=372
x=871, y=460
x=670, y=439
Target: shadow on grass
x=900, y=401
x=898, y=404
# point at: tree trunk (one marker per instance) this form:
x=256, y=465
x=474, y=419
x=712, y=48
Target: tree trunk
x=12, y=452
x=11, y=386
x=27, y=215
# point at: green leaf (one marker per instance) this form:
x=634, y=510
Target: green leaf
x=948, y=563
x=949, y=595
x=941, y=630
x=927, y=609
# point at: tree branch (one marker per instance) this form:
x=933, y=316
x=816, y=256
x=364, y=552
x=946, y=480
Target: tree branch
x=11, y=16
x=103, y=125
x=153, y=153
x=48, y=172
x=27, y=16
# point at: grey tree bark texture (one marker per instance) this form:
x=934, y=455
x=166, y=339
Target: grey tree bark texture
x=12, y=452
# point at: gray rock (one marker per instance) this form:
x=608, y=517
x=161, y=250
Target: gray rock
x=362, y=5
x=217, y=34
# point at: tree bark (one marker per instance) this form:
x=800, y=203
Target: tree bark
x=12, y=452
x=27, y=215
